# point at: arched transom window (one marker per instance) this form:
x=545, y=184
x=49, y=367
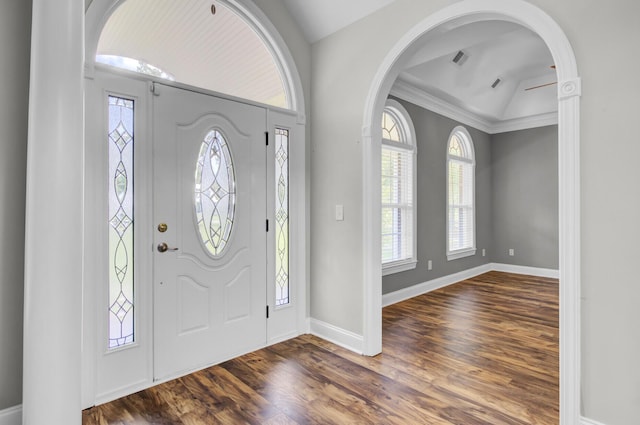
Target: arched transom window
x=398, y=172
x=461, y=241
x=196, y=43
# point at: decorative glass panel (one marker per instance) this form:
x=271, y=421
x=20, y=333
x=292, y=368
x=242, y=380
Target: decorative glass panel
x=390, y=128
x=121, y=308
x=215, y=193
x=454, y=147
x=282, y=216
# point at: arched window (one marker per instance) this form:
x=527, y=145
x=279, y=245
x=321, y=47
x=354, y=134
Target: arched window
x=398, y=170
x=195, y=43
x=461, y=235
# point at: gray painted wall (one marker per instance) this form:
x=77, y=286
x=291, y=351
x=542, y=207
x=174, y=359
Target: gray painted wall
x=516, y=199
x=432, y=133
x=525, y=197
x=15, y=30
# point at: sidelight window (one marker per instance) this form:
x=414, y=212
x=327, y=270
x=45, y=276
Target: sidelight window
x=121, y=222
x=282, y=216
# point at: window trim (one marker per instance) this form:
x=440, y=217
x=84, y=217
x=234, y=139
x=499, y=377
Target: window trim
x=468, y=141
x=409, y=133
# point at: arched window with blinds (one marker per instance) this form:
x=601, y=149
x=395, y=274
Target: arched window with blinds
x=398, y=171
x=461, y=239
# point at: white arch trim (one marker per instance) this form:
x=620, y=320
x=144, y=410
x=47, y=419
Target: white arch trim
x=569, y=91
x=99, y=12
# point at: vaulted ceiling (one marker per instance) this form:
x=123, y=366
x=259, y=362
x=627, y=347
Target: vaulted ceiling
x=496, y=71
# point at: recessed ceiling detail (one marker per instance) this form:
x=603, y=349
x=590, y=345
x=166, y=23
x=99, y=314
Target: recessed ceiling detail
x=185, y=39
x=517, y=57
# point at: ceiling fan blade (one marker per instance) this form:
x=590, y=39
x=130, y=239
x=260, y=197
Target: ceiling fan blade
x=541, y=85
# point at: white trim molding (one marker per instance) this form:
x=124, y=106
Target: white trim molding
x=533, y=271
x=11, y=415
x=399, y=266
x=342, y=337
x=406, y=91
x=431, y=285
x=587, y=421
x=441, y=282
x=455, y=15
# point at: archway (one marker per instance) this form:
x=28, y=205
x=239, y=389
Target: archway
x=569, y=90
x=99, y=13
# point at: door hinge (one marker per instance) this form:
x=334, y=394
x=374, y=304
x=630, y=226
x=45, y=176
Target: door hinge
x=154, y=89
x=267, y=225
x=266, y=137
x=267, y=312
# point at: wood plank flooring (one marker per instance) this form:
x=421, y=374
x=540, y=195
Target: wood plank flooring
x=483, y=351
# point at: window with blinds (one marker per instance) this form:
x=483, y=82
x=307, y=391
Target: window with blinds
x=397, y=190
x=460, y=195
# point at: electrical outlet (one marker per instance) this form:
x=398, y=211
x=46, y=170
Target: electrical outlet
x=429, y=265
x=511, y=252
x=484, y=252
x=339, y=213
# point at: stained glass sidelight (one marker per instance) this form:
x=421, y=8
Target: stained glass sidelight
x=121, y=301
x=215, y=193
x=282, y=216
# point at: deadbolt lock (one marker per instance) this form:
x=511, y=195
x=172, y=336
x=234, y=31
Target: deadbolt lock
x=162, y=227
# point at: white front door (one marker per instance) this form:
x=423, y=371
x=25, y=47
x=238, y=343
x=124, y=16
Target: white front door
x=210, y=240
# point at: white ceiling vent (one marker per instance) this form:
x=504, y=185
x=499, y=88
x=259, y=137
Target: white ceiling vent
x=460, y=58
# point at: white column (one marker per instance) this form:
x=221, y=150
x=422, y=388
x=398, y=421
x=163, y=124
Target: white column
x=53, y=252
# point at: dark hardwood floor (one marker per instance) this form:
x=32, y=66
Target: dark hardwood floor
x=483, y=351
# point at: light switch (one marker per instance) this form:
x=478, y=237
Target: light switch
x=339, y=212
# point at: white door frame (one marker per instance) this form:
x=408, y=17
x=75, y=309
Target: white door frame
x=294, y=118
x=569, y=91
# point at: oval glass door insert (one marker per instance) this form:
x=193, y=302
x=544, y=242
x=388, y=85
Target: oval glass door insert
x=215, y=193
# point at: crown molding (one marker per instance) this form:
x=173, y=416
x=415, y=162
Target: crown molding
x=418, y=96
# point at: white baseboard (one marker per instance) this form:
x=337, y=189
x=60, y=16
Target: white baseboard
x=336, y=335
x=11, y=416
x=432, y=285
x=587, y=421
x=533, y=271
x=441, y=282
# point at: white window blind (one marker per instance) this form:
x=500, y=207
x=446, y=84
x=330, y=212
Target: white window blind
x=460, y=195
x=397, y=204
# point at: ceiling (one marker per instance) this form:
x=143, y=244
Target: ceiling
x=318, y=19
x=493, y=50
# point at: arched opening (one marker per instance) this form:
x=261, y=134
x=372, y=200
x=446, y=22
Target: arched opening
x=459, y=14
x=204, y=65
x=174, y=41
x=194, y=43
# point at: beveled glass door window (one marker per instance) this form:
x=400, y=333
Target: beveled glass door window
x=121, y=222
x=282, y=216
x=215, y=193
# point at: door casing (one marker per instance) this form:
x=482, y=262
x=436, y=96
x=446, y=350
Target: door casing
x=100, y=381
